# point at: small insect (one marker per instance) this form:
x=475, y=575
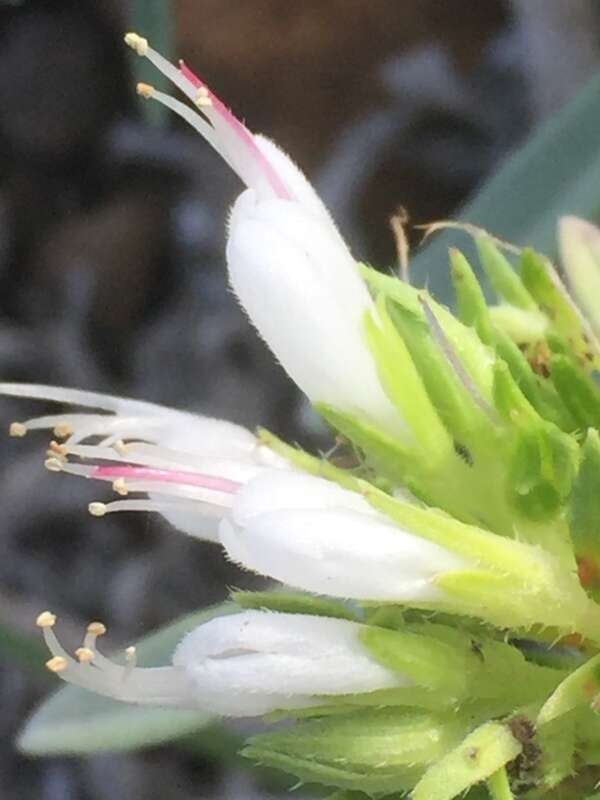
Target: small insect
x=464, y=453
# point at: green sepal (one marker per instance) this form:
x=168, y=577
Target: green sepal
x=540, y=394
x=472, y=309
x=579, y=688
x=541, y=472
x=476, y=357
x=580, y=251
x=457, y=407
x=504, y=279
x=499, y=785
x=386, y=455
x=427, y=661
x=478, y=757
x=556, y=740
x=309, y=463
x=545, y=286
x=523, y=327
x=294, y=603
x=578, y=391
x=510, y=583
x=373, y=750
x=401, y=380
x=584, y=508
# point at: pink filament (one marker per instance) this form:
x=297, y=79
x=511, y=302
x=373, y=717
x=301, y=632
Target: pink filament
x=247, y=138
x=168, y=476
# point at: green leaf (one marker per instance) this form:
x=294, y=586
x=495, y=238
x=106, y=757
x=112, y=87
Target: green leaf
x=472, y=307
x=75, y=721
x=556, y=172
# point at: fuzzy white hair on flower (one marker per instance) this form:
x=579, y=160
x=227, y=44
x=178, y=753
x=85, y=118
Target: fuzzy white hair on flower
x=240, y=665
x=288, y=265
x=314, y=535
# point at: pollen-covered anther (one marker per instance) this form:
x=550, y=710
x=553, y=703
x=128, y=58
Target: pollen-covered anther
x=46, y=620
x=96, y=628
x=120, y=487
x=137, y=43
x=57, y=664
x=145, y=90
x=63, y=429
x=203, y=98
x=57, y=449
x=53, y=464
x=84, y=655
x=17, y=429
x=130, y=660
x=97, y=509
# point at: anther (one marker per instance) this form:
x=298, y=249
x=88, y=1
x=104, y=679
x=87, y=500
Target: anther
x=53, y=464
x=97, y=509
x=57, y=449
x=96, y=628
x=130, y=661
x=63, y=429
x=56, y=664
x=145, y=90
x=137, y=43
x=120, y=487
x=120, y=446
x=203, y=99
x=17, y=429
x=46, y=620
x=84, y=655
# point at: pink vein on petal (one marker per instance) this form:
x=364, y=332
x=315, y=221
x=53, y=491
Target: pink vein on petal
x=245, y=135
x=168, y=476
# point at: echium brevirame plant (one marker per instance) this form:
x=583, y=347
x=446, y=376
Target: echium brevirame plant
x=441, y=630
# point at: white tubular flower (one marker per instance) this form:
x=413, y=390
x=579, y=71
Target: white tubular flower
x=314, y=535
x=241, y=665
x=288, y=264
x=189, y=466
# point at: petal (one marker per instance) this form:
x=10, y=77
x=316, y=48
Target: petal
x=339, y=553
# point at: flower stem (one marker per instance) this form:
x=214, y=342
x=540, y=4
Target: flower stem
x=498, y=785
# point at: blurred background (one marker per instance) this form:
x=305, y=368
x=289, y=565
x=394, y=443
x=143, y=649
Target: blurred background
x=112, y=270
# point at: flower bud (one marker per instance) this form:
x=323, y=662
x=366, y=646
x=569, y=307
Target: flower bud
x=314, y=535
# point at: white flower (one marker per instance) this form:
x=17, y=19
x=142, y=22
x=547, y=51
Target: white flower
x=190, y=466
x=288, y=264
x=241, y=665
x=314, y=535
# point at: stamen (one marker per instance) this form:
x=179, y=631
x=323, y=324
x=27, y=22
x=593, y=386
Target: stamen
x=137, y=43
x=93, y=671
x=17, y=429
x=85, y=655
x=53, y=465
x=130, y=661
x=158, y=507
x=46, y=620
x=57, y=664
x=145, y=90
x=120, y=487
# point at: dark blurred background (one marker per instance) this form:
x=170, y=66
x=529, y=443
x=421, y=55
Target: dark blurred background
x=112, y=266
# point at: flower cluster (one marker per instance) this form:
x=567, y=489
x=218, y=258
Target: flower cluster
x=438, y=627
